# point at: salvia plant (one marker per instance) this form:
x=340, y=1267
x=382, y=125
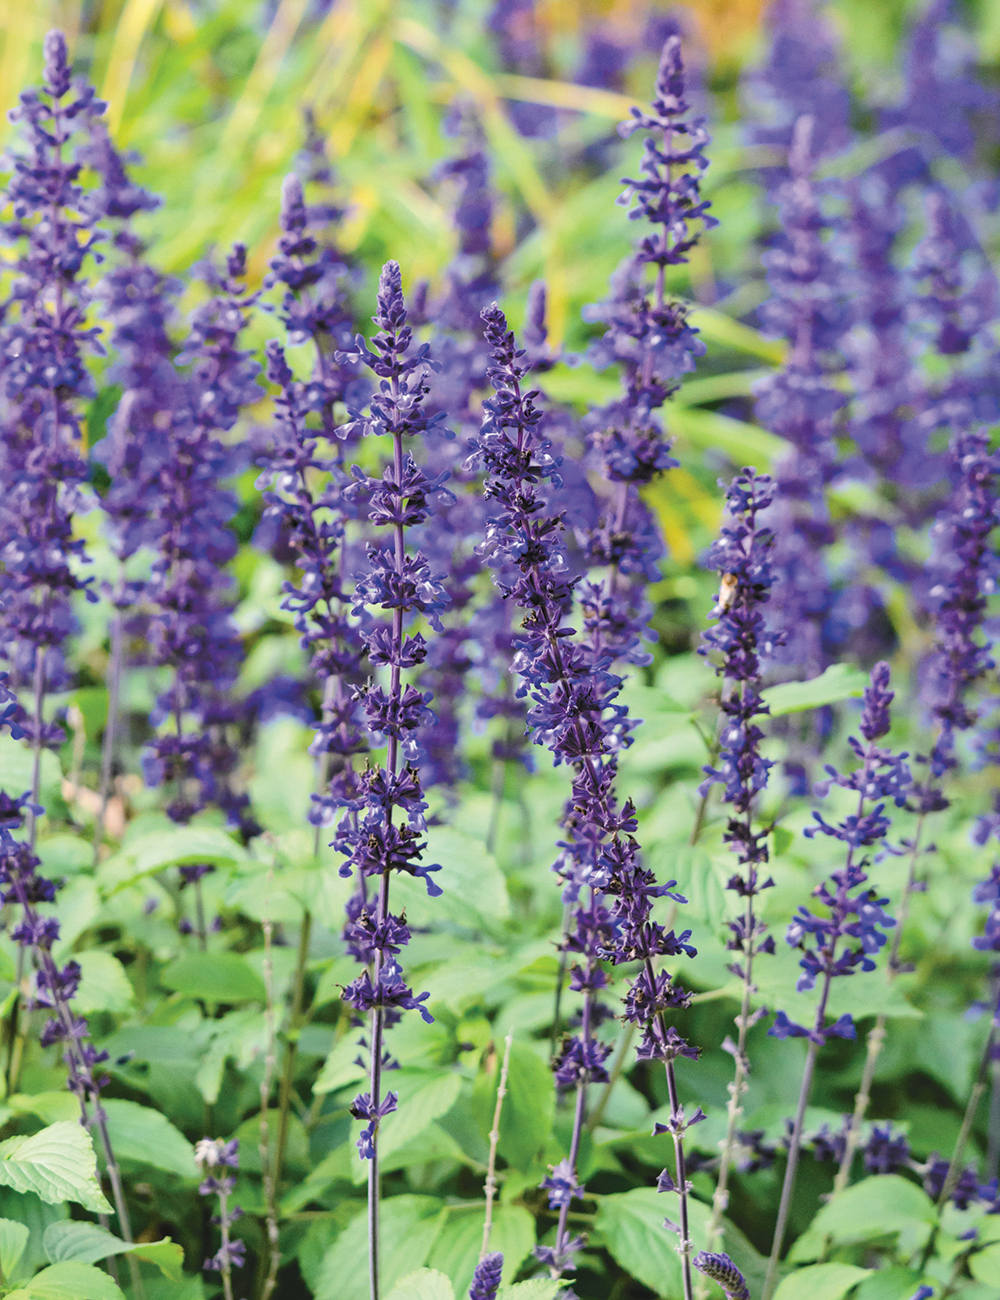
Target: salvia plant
x=498, y=714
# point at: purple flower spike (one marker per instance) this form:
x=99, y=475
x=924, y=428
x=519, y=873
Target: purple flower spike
x=191, y=630
x=216, y=1154
x=851, y=929
x=799, y=402
x=380, y=830
x=738, y=642
x=486, y=1279
x=720, y=1268
x=800, y=78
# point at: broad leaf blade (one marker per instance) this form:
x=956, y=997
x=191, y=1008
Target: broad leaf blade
x=821, y=1282
x=72, y=1281
x=838, y=682
x=58, y=1164
x=13, y=1240
x=424, y=1284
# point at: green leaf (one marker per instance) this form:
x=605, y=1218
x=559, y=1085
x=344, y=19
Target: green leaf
x=892, y=1283
x=48, y=1106
x=87, y=1243
x=716, y=327
x=538, y=1288
x=13, y=1239
x=631, y=1224
x=528, y=1109
x=984, y=1265
x=456, y=1250
x=475, y=889
x=167, y=1255
x=168, y=847
x=746, y=444
x=144, y=1135
x=58, y=1164
x=72, y=1281
x=214, y=977
x=423, y=1098
x=821, y=1282
x=424, y=1284
x=410, y=1225
x=104, y=986
x=35, y=1215
x=875, y=1207
x=839, y=682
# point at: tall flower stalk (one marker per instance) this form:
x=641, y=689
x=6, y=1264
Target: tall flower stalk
x=376, y=844
x=742, y=556
x=45, y=340
x=963, y=571
x=191, y=629
x=574, y=715
x=800, y=403
x=854, y=926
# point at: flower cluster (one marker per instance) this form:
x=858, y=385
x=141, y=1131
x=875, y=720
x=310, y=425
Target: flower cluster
x=304, y=498
x=800, y=77
x=800, y=403
x=720, y=1268
x=650, y=336
x=373, y=842
x=486, y=1279
x=191, y=628
x=213, y=1157
x=739, y=641
x=51, y=237
x=853, y=930
x=962, y=574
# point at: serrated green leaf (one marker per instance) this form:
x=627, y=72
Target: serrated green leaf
x=528, y=1109
x=88, y=1243
x=631, y=1224
x=424, y=1284
x=409, y=1226
x=170, y=847
x=892, y=1283
x=13, y=1240
x=58, y=1164
x=214, y=977
x=537, y=1288
x=423, y=1097
x=144, y=1135
x=456, y=1250
x=104, y=986
x=875, y=1207
x=73, y=1281
x=838, y=682
x=821, y=1282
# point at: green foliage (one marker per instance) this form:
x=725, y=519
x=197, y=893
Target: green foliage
x=87, y=1243
x=821, y=1282
x=13, y=1240
x=70, y=1280
x=58, y=1164
x=424, y=1284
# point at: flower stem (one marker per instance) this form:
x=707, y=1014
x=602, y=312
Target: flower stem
x=291, y=1048
x=267, y=1078
x=876, y=1036
x=109, y=740
x=491, y=1166
x=791, y=1169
